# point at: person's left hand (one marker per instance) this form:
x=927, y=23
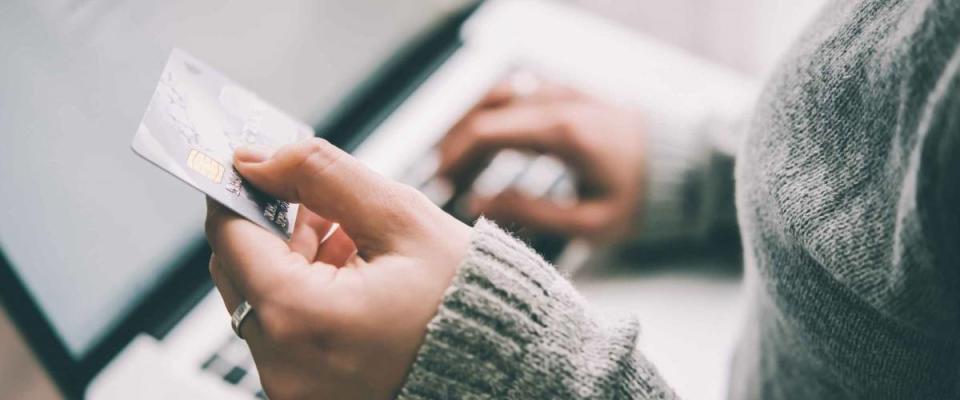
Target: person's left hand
x=331, y=320
x=602, y=144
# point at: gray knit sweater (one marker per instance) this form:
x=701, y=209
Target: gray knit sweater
x=848, y=199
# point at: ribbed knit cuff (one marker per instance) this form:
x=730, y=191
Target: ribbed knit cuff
x=510, y=326
x=670, y=207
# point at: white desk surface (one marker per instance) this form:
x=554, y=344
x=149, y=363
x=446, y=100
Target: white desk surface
x=689, y=311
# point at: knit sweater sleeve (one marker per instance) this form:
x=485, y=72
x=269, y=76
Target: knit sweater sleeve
x=689, y=178
x=510, y=326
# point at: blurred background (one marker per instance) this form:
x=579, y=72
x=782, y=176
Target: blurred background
x=65, y=60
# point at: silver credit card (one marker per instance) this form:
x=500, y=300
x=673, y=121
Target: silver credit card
x=194, y=122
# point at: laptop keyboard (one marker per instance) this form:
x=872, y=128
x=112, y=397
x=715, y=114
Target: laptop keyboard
x=531, y=174
x=534, y=175
x=233, y=363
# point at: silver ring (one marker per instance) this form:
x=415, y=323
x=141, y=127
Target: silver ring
x=239, y=314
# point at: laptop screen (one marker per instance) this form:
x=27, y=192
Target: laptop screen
x=87, y=225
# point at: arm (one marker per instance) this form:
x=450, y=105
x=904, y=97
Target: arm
x=642, y=175
x=405, y=299
x=511, y=327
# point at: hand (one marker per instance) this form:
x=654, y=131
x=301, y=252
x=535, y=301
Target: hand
x=330, y=322
x=601, y=143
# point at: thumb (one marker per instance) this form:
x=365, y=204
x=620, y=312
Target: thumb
x=580, y=219
x=332, y=184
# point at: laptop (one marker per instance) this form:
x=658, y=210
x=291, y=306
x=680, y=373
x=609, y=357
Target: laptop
x=156, y=328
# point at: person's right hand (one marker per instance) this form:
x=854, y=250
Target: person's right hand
x=600, y=142
x=341, y=318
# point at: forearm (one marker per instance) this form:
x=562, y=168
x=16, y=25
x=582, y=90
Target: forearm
x=511, y=327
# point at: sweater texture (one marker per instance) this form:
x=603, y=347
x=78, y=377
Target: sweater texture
x=848, y=202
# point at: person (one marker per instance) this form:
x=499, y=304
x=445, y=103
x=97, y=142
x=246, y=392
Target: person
x=846, y=195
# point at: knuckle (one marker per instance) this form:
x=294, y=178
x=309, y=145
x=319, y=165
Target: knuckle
x=319, y=154
x=471, y=125
x=480, y=132
x=314, y=158
x=572, y=131
x=277, y=324
x=567, y=123
x=464, y=144
x=316, y=144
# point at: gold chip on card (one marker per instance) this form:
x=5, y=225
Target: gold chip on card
x=205, y=165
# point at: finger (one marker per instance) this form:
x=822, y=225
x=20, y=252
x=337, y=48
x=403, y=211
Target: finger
x=526, y=86
x=499, y=94
x=581, y=219
x=544, y=92
x=320, y=240
x=537, y=128
x=227, y=291
x=519, y=87
x=308, y=233
x=337, y=249
x=250, y=328
x=335, y=186
x=254, y=259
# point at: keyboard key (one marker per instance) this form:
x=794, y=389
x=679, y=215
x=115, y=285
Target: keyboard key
x=235, y=375
x=235, y=352
x=217, y=365
x=233, y=363
x=503, y=170
x=541, y=175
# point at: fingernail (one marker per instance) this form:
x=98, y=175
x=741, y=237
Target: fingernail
x=252, y=154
